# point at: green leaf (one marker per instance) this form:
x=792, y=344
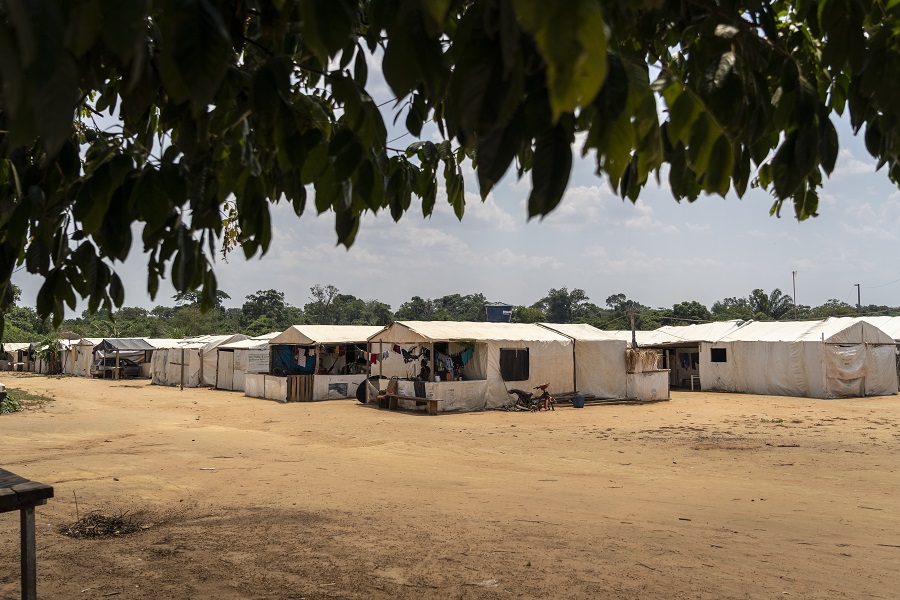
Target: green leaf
x=83, y=27
x=550, y=175
x=195, y=50
x=703, y=135
x=327, y=25
x=571, y=38
x=721, y=163
x=123, y=27
x=346, y=224
x=682, y=114
x=496, y=152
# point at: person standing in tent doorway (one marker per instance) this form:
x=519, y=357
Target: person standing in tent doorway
x=425, y=371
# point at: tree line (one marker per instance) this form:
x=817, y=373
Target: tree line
x=267, y=310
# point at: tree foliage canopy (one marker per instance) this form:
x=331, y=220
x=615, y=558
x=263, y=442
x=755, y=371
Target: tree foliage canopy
x=224, y=106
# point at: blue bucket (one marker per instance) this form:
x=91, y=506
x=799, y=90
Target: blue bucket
x=578, y=402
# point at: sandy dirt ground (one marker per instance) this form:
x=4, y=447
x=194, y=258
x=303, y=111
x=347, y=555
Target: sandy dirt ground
x=706, y=496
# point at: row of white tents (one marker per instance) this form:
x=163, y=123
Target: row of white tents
x=837, y=357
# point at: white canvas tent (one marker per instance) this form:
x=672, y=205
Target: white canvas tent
x=333, y=358
x=190, y=362
x=599, y=360
x=16, y=355
x=239, y=358
x=83, y=356
x=532, y=355
x=680, y=345
x=837, y=358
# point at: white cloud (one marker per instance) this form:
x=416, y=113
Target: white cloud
x=847, y=164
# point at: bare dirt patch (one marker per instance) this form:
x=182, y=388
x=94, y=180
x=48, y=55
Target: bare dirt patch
x=694, y=498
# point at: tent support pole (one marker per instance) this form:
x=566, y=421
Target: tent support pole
x=380, y=361
x=182, y=368
x=433, y=363
x=368, y=356
x=117, y=364
x=574, y=368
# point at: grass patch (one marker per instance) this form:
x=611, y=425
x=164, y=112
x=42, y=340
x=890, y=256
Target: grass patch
x=19, y=399
x=9, y=405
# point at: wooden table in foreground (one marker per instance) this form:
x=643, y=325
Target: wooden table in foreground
x=18, y=493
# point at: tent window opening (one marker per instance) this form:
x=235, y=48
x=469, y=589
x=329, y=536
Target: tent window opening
x=514, y=364
x=718, y=355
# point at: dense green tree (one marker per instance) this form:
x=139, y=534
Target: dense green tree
x=688, y=313
x=563, y=306
x=732, y=308
x=773, y=306
x=456, y=307
x=527, y=314
x=833, y=308
x=271, y=304
x=416, y=309
x=331, y=307
x=224, y=106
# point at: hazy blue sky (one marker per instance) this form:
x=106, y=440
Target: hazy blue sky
x=658, y=252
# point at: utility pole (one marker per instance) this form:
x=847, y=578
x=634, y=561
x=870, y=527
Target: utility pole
x=633, y=334
x=794, y=273
x=858, y=301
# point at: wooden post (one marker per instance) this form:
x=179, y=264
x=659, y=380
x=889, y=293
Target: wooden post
x=29, y=560
x=633, y=335
x=117, y=364
x=182, y=368
x=433, y=362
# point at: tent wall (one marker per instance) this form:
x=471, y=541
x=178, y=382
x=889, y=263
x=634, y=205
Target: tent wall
x=765, y=367
x=271, y=387
x=808, y=369
x=600, y=368
x=549, y=362
x=648, y=385
x=225, y=370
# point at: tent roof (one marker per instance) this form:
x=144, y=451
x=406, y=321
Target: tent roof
x=889, y=325
x=582, y=331
x=673, y=336
x=835, y=330
x=308, y=335
x=125, y=344
x=162, y=342
x=254, y=343
x=16, y=346
x=449, y=331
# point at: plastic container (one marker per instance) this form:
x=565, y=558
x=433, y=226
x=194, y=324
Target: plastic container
x=578, y=402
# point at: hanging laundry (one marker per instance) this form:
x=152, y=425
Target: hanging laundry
x=373, y=358
x=407, y=357
x=396, y=348
x=466, y=355
x=385, y=354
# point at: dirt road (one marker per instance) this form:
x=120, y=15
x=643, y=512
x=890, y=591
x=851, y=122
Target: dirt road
x=706, y=496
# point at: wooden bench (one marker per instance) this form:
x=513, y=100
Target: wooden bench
x=18, y=493
x=394, y=398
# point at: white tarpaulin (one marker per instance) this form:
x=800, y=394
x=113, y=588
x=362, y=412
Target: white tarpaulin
x=835, y=358
x=236, y=359
x=549, y=356
x=199, y=355
x=599, y=360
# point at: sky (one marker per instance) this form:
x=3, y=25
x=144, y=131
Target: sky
x=657, y=251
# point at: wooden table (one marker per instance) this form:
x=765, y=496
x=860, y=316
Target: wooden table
x=18, y=493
